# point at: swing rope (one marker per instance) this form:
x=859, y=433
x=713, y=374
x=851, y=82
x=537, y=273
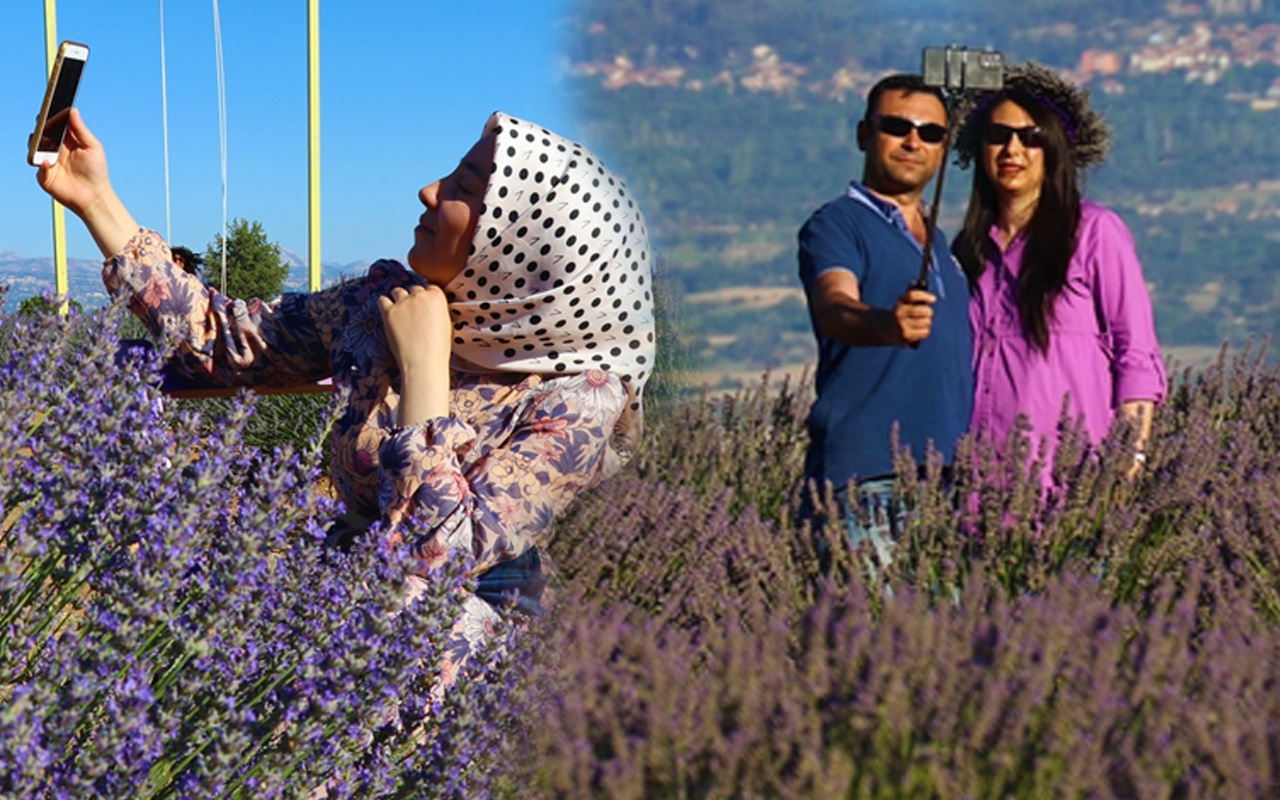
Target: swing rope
x=164, y=116
x=306, y=388
x=222, y=131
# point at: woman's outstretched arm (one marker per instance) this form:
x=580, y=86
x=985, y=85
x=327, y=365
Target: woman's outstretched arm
x=221, y=341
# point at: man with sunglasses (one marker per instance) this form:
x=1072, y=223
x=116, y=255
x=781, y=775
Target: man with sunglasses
x=893, y=359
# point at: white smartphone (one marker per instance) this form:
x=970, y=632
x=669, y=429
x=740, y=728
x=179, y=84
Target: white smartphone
x=51, y=125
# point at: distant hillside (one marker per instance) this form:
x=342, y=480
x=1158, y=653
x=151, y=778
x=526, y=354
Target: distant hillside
x=882, y=34
x=27, y=277
x=734, y=121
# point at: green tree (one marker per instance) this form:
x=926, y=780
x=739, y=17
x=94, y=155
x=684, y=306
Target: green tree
x=254, y=267
x=39, y=304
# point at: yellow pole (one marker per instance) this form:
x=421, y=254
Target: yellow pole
x=313, y=131
x=60, y=284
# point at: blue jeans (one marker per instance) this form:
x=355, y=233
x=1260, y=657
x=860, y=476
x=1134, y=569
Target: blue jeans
x=516, y=584
x=873, y=515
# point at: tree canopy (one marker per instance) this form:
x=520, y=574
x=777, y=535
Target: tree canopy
x=254, y=266
x=39, y=304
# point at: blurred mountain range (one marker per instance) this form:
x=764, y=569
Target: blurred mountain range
x=27, y=276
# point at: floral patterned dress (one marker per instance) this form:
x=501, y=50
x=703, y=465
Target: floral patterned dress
x=487, y=480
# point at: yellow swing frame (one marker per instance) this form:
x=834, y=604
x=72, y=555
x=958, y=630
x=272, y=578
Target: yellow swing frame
x=61, y=283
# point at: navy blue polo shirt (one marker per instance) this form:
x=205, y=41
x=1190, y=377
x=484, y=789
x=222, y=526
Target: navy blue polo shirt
x=863, y=390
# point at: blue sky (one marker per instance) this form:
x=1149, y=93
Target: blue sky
x=406, y=88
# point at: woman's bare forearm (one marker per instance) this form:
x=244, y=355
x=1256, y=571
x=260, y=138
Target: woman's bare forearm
x=1140, y=413
x=109, y=223
x=424, y=393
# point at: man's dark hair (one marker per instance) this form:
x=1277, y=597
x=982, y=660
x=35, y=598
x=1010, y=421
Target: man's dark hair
x=903, y=82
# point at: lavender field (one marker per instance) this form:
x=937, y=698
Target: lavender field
x=170, y=625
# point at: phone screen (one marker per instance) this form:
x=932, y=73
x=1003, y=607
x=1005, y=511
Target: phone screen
x=64, y=94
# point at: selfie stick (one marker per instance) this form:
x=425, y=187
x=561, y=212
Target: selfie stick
x=931, y=224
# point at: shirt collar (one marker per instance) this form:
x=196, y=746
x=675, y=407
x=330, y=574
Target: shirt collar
x=1014, y=246
x=890, y=213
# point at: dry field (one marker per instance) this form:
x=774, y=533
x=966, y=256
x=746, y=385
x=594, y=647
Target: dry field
x=1195, y=357
x=746, y=297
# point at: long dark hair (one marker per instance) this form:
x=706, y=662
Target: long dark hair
x=1051, y=233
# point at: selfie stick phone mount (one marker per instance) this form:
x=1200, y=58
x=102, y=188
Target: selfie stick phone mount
x=953, y=71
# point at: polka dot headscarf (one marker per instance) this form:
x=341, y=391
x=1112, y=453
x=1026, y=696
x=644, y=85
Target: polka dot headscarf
x=559, y=278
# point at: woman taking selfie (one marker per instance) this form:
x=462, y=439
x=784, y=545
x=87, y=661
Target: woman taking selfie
x=1059, y=309
x=492, y=380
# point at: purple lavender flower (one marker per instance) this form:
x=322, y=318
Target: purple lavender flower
x=171, y=624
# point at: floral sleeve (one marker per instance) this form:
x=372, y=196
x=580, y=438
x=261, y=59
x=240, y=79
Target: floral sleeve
x=220, y=341
x=508, y=498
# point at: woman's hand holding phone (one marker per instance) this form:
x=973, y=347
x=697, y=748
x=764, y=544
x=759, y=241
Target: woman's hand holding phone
x=79, y=177
x=79, y=181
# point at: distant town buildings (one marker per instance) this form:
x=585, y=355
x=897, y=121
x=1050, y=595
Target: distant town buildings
x=622, y=73
x=1223, y=7
x=1198, y=40
x=769, y=73
x=1100, y=62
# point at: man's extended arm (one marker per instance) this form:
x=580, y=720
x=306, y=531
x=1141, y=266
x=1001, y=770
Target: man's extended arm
x=837, y=306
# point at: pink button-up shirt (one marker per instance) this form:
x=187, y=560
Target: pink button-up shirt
x=1102, y=340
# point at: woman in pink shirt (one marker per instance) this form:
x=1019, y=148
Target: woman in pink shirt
x=1059, y=310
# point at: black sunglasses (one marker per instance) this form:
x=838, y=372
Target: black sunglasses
x=901, y=128
x=1029, y=135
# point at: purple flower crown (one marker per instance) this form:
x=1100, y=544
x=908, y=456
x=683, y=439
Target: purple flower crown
x=1086, y=130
